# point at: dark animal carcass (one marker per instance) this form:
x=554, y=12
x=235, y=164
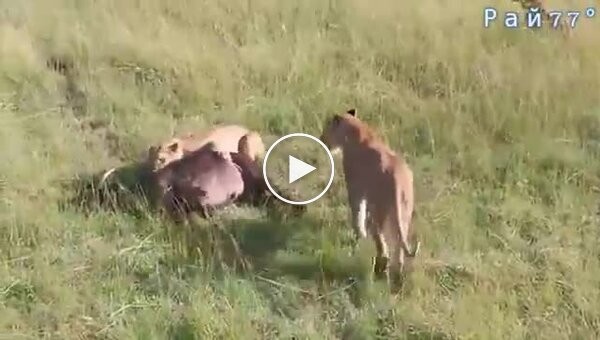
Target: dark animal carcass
x=201, y=181
x=206, y=179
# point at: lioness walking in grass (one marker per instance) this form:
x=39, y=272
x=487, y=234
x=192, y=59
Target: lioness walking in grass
x=380, y=189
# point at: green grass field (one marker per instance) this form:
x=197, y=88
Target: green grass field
x=501, y=127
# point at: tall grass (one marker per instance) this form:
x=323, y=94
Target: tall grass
x=502, y=128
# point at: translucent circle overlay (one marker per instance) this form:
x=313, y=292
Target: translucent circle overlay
x=303, y=135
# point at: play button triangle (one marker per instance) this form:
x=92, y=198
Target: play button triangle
x=298, y=169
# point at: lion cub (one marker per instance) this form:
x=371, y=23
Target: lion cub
x=380, y=189
x=225, y=139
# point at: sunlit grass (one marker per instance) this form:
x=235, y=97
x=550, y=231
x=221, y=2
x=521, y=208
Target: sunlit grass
x=501, y=127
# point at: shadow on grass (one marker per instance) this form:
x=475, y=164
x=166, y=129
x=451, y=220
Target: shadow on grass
x=338, y=270
x=272, y=256
x=278, y=245
x=128, y=189
x=125, y=191
x=182, y=330
x=283, y=243
x=245, y=245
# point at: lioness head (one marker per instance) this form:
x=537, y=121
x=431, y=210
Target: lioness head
x=160, y=156
x=338, y=129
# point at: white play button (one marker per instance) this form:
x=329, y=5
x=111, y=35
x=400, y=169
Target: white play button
x=298, y=169
x=287, y=163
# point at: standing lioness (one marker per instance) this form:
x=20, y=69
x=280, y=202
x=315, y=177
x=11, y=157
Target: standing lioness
x=380, y=189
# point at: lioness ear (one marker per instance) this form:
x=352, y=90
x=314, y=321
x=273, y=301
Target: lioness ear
x=352, y=112
x=243, y=145
x=152, y=150
x=173, y=146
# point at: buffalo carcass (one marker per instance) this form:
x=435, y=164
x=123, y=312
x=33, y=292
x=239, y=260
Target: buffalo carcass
x=206, y=179
x=203, y=180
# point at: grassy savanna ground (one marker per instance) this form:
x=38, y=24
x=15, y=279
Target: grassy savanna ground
x=502, y=128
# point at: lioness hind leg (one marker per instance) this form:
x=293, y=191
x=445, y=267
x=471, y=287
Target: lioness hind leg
x=383, y=258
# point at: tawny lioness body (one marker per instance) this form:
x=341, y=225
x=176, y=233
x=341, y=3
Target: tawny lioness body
x=380, y=189
x=224, y=138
